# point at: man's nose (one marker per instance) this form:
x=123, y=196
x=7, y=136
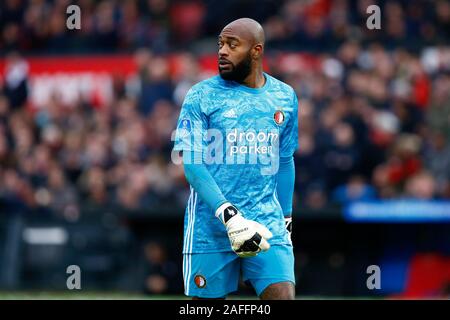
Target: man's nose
x=223, y=52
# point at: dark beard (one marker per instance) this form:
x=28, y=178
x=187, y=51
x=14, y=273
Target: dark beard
x=238, y=72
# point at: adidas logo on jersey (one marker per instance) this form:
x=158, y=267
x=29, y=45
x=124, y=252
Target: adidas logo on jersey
x=230, y=114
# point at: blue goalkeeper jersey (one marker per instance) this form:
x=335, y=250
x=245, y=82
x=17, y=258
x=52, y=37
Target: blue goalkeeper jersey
x=239, y=133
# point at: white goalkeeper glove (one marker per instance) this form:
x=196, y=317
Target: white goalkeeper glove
x=247, y=237
x=288, y=224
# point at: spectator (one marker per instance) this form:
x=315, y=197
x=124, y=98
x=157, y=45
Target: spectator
x=437, y=161
x=16, y=80
x=342, y=158
x=355, y=190
x=161, y=274
x=421, y=186
x=63, y=196
x=155, y=85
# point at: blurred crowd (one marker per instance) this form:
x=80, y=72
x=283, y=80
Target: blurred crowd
x=374, y=124
x=61, y=156
x=39, y=26
x=374, y=109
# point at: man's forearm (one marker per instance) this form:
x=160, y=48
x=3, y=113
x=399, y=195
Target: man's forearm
x=203, y=183
x=285, y=186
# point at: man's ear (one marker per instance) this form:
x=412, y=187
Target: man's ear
x=257, y=51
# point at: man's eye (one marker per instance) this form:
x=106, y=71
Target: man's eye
x=233, y=45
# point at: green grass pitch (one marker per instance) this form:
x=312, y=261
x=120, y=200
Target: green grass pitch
x=77, y=295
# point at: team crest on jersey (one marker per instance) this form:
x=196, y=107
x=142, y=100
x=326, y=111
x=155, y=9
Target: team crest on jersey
x=200, y=281
x=184, y=128
x=279, y=117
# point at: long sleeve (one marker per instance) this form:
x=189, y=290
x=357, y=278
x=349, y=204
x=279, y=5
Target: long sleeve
x=203, y=183
x=285, y=185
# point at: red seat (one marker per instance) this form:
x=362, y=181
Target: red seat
x=428, y=276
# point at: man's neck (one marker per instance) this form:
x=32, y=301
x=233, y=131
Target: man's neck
x=255, y=79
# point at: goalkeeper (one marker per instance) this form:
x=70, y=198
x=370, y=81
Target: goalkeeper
x=237, y=133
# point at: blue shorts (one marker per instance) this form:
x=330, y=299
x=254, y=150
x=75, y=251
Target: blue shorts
x=215, y=275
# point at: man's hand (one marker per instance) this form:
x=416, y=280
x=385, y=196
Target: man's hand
x=288, y=223
x=247, y=237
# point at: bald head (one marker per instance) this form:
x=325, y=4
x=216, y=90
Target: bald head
x=247, y=29
x=241, y=47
